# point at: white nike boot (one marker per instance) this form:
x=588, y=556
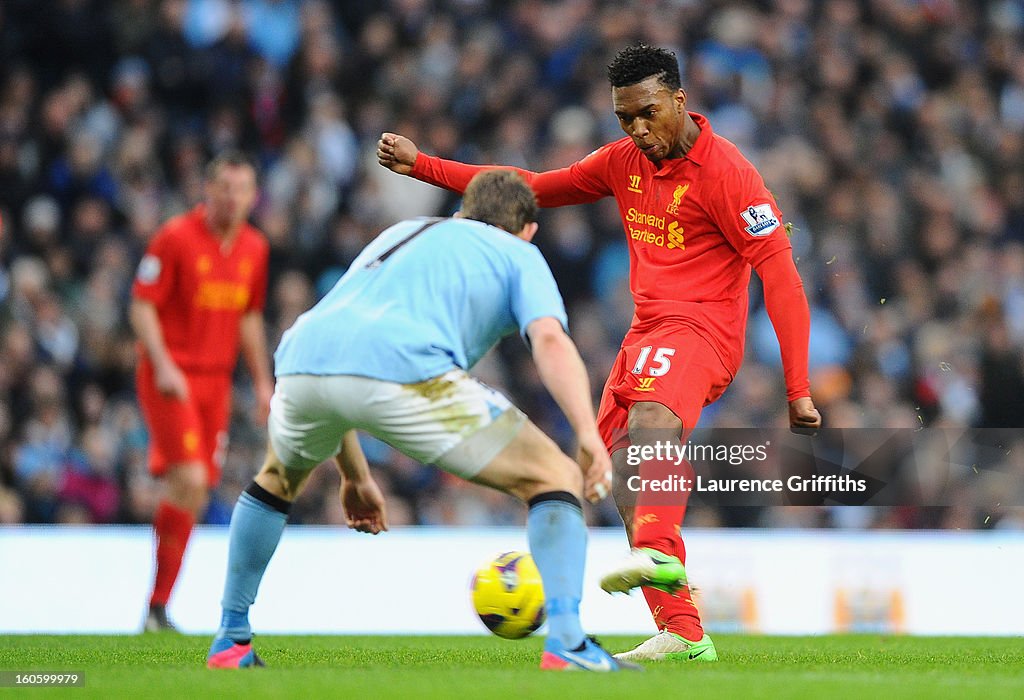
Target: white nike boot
x=666, y=646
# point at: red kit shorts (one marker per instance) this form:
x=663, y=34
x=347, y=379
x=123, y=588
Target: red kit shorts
x=194, y=430
x=668, y=364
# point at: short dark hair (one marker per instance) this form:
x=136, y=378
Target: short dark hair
x=231, y=157
x=640, y=61
x=501, y=198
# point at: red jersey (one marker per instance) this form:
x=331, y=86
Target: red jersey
x=695, y=225
x=201, y=289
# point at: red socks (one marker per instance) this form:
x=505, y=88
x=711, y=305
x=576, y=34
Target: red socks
x=661, y=505
x=675, y=612
x=656, y=523
x=657, y=526
x=172, y=526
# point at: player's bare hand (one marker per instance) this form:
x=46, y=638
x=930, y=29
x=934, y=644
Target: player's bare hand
x=364, y=507
x=596, y=466
x=804, y=418
x=396, y=153
x=170, y=380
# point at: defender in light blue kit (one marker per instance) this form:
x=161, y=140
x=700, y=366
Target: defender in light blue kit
x=387, y=351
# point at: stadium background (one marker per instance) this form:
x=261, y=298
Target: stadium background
x=890, y=131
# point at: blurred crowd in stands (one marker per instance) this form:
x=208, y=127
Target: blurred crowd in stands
x=890, y=131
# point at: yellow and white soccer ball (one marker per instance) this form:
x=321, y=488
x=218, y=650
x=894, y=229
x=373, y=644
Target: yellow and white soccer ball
x=508, y=595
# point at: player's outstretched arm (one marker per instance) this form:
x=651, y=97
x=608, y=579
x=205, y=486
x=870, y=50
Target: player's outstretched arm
x=399, y=154
x=554, y=188
x=562, y=371
x=361, y=498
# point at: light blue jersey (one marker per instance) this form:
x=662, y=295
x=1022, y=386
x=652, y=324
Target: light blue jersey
x=426, y=296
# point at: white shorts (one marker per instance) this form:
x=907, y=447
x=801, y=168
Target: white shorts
x=452, y=421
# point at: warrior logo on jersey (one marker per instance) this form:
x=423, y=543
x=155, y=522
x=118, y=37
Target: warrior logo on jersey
x=760, y=218
x=645, y=384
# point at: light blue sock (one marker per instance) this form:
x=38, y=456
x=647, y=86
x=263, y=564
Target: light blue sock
x=558, y=543
x=256, y=529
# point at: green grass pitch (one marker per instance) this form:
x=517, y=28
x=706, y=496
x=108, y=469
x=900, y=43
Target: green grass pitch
x=464, y=668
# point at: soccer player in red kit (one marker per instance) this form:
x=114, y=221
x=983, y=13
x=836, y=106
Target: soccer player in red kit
x=697, y=217
x=198, y=295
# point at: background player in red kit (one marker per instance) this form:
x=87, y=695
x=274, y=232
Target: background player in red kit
x=198, y=296
x=697, y=217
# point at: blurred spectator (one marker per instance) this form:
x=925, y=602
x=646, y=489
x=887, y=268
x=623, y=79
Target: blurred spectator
x=90, y=480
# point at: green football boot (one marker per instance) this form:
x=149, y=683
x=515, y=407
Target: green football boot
x=646, y=567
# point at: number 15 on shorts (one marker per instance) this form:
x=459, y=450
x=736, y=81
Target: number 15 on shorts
x=657, y=365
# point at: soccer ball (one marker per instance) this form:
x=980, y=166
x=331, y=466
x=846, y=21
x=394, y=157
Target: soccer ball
x=508, y=595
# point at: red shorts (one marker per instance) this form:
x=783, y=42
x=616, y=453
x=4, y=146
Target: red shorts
x=194, y=430
x=668, y=364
